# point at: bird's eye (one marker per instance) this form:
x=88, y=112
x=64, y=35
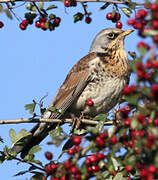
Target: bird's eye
x=111, y=35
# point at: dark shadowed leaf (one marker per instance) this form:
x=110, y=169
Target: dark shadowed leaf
x=78, y=17
x=104, y=6
x=21, y=172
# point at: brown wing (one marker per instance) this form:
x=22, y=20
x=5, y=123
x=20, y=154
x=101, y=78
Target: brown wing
x=74, y=84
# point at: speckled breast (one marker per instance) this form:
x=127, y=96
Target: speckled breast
x=104, y=91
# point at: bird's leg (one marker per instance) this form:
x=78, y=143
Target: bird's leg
x=73, y=124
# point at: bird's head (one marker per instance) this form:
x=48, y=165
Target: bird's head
x=110, y=38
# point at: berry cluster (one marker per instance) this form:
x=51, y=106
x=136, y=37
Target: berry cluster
x=44, y=23
x=146, y=71
x=146, y=19
x=115, y=19
x=127, y=90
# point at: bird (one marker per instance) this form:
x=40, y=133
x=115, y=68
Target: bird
x=99, y=76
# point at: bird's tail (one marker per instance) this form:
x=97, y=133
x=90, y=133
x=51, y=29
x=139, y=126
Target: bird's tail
x=38, y=133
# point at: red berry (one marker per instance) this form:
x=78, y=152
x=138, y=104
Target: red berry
x=148, y=144
x=155, y=64
x=103, y=135
x=142, y=13
x=137, y=16
x=54, y=166
x=89, y=102
x=151, y=168
x=131, y=21
x=76, y=140
x=127, y=122
x=155, y=38
x=117, y=16
x=88, y=20
x=155, y=24
x=66, y=3
x=109, y=16
x=42, y=19
x=48, y=155
x=126, y=90
x=140, y=65
x=128, y=168
x=22, y=26
x=71, y=151
x=141, y=74
x=25, y=22
x=63, y=178
x=154, y=7
x=99, y=142
x=48, y=169
x=100, y=156
x=95, y=168
x=88, y=162
x=119, y=25
x=154, y=91
x=141, y=118
x=125, y=110
x=53, y=178
x=43, y=25
x=113, y=140
x=131, y=143
x=156, y=15
x=142, y=44
x=89, y=169
x=77, y=148
x=67, y=165
x=1, y=24
x=38, y=24
x=143, y=173
x=93, y=158
x=57, y=21
x=74, y=170
x=138, y=25
x=156, y=122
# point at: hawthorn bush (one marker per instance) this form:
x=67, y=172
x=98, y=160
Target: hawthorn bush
x=128, y=149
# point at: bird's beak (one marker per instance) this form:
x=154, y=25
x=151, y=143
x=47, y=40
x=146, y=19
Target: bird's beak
x=127, y=32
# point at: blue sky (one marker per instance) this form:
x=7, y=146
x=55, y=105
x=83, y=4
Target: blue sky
x=36, y=62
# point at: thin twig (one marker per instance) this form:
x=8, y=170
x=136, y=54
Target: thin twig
x=109, y=1
x=42, y=120
x=24, y=161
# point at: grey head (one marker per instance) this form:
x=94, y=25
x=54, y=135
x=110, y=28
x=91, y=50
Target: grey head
x=109, y=38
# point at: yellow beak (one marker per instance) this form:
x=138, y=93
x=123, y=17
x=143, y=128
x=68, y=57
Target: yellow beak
x=127, y=32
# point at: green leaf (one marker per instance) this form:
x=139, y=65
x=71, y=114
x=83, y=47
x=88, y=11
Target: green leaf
x=29, y=6
x=35, y=149
x=56, y=132
x=119, y=176
x=31, y=107
x=142, y=50
x=78, y=17
x=132, y=99
x=113, y=12
x=51, y=7
x=12, y=135
x=38, y=177
x=40, y=5
x=1, y=8
x=127, y=11
x=150, y=32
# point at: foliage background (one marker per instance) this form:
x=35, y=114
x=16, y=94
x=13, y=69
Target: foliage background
x=34, y=62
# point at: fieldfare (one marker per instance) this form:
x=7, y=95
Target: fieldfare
x=99, y=76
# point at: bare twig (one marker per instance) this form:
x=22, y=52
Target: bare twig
x=42, y=120
x=109, y=1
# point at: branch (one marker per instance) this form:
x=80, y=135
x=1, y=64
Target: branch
x=108, y=1
x=18, y=121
